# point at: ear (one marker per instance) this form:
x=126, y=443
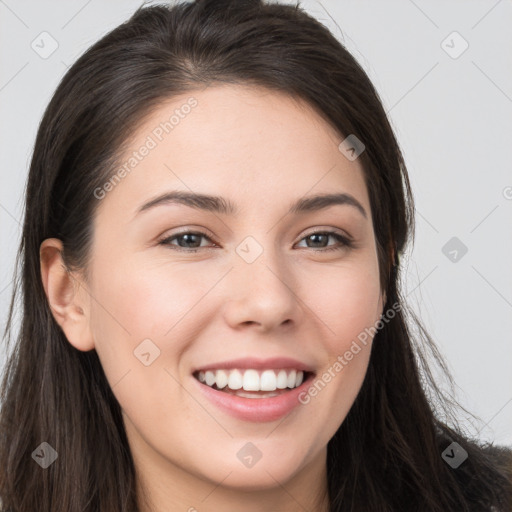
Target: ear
x=67, y=296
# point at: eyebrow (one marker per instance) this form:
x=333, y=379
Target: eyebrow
x=216, y=204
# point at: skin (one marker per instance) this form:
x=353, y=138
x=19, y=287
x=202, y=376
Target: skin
x=261, y=150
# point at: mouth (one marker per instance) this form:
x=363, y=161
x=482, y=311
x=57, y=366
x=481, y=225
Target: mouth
x=254, y=389
x=253, y=383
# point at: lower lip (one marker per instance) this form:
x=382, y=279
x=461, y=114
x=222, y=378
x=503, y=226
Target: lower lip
x=255, y=409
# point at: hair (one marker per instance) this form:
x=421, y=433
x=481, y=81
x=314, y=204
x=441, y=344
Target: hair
x=387, y=453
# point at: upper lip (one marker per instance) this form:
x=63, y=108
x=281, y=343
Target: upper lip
x=274, y=363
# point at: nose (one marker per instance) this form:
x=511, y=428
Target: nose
x=262, y=293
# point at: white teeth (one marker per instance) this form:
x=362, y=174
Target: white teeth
x=221, y=379
x=291, y=379
x=282, y=380
x=235, y=380
x=209, y=378
x=268, y=381
x=252, y=380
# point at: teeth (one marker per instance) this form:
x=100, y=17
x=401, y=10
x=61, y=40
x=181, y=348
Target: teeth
x=235, y=380
x=209, y=378
x=221, y=379
x=252, y=380
x=291, y=379
x=282, y=380
x=268, y=381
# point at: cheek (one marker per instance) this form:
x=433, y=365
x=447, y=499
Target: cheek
x=348, y=308
x=136, y=301
x=347, y=303
x=144, y=299
x=144, y=314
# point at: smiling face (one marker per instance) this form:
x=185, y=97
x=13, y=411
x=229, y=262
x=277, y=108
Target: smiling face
x=261, y=285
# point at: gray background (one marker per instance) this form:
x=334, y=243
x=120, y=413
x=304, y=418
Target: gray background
x=451, y=111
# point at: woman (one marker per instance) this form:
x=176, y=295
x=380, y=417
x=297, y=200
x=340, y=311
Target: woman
x=263, y=367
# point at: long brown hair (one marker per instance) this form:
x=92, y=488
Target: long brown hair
x=387, y=454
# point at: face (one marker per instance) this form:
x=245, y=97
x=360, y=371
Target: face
x=181, y=291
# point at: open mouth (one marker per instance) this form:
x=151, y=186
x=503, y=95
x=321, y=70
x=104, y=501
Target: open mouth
x=252, y=383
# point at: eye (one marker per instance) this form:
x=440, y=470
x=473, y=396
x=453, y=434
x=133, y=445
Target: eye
x=318, y=236
x=190, y=241
x=189, y=237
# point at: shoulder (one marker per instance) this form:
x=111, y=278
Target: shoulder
x=502, y=454
x=490, y=479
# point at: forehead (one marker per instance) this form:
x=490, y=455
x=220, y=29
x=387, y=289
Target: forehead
x=249, y=144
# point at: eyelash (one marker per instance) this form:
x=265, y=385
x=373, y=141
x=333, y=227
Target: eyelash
x=345, y=241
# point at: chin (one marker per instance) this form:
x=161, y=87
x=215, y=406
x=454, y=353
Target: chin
x=270, y=471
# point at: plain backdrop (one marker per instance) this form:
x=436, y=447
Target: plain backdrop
x=444, y=74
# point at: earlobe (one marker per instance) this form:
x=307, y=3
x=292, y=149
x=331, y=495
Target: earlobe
x=67, y=297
